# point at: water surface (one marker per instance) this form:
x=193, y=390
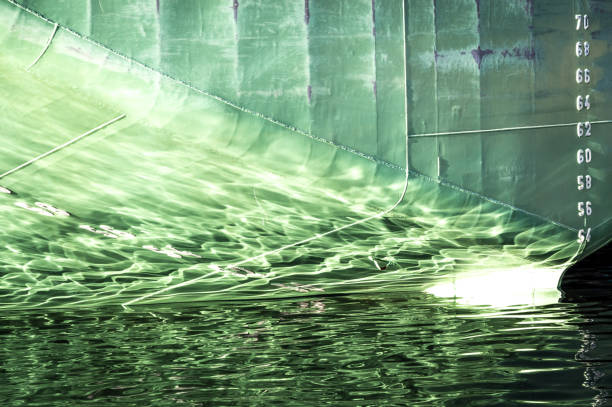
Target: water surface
x=409, y=348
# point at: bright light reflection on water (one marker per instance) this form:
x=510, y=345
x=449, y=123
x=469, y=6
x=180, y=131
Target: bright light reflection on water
x=501, y=287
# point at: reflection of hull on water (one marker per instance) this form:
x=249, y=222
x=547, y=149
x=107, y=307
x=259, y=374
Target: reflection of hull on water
x=260, y=150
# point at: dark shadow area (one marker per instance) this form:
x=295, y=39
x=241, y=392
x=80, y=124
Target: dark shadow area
x=588, y=285
x=590, y=279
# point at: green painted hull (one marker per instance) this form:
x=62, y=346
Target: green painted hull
x=260, y=148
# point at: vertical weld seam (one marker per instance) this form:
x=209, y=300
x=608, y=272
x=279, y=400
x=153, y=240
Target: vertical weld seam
x=435, y=44
x=406, y=156
x=480, y=136
x=374, y=18
x=374, y=82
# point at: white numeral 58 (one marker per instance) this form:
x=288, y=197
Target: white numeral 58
x=584, y=182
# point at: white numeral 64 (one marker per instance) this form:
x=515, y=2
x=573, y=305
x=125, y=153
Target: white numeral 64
x=581, y=102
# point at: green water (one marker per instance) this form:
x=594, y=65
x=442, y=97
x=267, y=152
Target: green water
x=410, y=349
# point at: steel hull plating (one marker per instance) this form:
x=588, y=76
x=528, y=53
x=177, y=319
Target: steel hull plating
x=269, y=149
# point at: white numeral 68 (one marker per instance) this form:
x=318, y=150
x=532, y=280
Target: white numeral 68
x=582, y=48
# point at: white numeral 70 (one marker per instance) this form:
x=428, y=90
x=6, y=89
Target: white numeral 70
x=582, y=20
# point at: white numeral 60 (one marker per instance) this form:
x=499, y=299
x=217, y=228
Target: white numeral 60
x=584, y=156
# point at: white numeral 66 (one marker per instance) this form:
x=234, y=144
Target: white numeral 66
x=583, y=75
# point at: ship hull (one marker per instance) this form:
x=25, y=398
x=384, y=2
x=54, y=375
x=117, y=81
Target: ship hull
x=156, y=153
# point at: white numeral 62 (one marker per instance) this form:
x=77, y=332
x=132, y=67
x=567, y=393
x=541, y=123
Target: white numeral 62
x=583, y=129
